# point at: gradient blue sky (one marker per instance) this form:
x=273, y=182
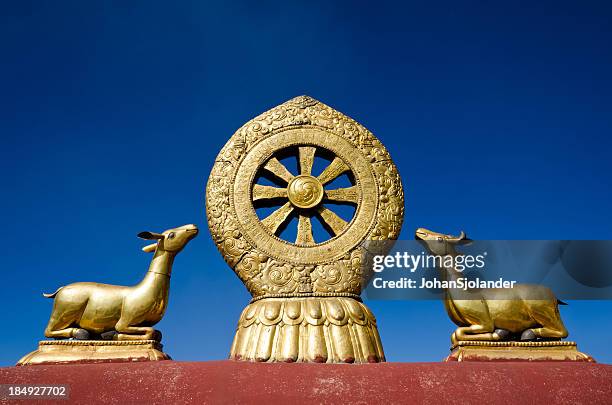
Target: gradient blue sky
x=498, y=115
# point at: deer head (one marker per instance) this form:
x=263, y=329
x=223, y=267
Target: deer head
x=440, y=244
x=171, y=240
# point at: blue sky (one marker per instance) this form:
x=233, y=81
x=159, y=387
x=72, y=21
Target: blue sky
x=498, y=116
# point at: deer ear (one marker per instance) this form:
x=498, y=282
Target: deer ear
x=150, y=235
x=150, y=248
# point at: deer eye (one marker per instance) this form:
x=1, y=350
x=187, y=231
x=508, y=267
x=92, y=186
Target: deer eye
x=171, y=235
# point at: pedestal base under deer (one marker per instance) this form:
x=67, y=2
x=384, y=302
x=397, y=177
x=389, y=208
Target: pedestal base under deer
x=517, y=351
x=94, y=351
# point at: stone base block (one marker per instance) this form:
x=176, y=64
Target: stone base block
x=517, y=351
x=94, y=351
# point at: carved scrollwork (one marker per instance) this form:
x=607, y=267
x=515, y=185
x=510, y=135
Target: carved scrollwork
x=266, y=263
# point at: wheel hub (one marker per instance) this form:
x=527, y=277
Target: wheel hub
x=305, y=191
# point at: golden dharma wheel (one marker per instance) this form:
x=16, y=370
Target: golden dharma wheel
x=285, y=230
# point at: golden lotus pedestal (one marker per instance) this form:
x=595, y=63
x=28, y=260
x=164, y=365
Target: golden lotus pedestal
x=94, y=351
x=313, y=329
x=517, y=351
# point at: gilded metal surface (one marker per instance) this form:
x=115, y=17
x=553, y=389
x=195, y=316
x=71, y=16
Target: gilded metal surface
x=320, y=330
x=305, y=191
x=94, y=351
x=251, y=246
x=83, y=310
x=326, y=271
x=517, y=351
x=492, y=314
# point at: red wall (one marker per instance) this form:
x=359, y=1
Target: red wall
x=231, y=382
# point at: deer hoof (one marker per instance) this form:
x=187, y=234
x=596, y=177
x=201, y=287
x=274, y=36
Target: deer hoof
x=110, y=335
x=528, y=335
x=80, y=334
x=502, y=334
x=157, y=335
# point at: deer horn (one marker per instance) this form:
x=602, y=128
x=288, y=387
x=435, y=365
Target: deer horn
x=458, y=238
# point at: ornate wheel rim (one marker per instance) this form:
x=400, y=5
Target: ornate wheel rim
x=269, y=265
x=305, y=193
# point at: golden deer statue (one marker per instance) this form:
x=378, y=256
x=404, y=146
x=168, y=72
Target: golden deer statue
x=83, y=310
x=493, y=314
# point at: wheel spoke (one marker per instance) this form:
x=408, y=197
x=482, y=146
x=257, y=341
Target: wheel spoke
x=278, y=169
x=335, y=169
x=276, y=219
x=304, y=231
x=307, y=154
x=332, y=220
x=348, y=194
x=261, y=192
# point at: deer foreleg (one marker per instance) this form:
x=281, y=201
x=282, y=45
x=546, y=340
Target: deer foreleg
x=127, y=332
x=475, y=332
x=77, y=333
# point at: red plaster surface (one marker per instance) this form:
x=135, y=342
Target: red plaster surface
x=171, y=382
